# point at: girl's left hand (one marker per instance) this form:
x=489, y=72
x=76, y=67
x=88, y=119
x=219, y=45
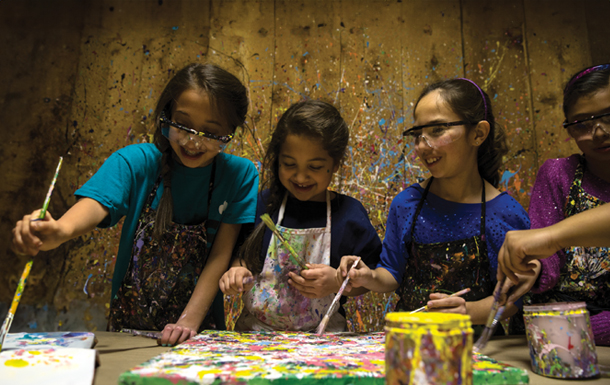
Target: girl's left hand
x=174, y=334
x=443, y=303
x=317, y=281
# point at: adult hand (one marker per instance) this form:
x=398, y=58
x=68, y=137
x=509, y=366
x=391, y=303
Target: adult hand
x=520, y=248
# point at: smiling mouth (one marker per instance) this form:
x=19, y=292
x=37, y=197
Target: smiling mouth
x=302, y=186
x=191, y=154
x=432, y=160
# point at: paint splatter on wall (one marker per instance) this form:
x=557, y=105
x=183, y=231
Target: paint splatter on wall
x=84, y=82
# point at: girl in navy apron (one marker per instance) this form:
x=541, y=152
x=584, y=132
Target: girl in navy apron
x=567, y=186
x=183, y=201
x=443, y=234
x=305, y=151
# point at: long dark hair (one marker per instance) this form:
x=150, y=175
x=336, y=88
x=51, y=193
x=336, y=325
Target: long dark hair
x=313, y=119
x=226, y=93
x=585, y=82
x=472, y=104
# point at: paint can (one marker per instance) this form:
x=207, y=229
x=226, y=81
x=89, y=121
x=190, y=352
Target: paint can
x=561, y=340
x=428, y=348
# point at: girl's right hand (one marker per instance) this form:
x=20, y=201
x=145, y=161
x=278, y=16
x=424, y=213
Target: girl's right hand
x=232, y=282
x=31, y=236
x=359, y=276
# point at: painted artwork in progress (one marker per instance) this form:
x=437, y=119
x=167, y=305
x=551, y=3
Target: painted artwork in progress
x=84, y=340
x=47, y=366
x=215, y=357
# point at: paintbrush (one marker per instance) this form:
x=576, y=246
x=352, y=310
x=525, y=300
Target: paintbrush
x=456, y=294
x=335, y=302
x=141, y=333
x=45, y=205
x=492, y=320
x=6, y=325
x=293, y=254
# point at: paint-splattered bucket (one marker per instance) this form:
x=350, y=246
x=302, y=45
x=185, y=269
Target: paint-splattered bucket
x=561, y=340
x=428, y=348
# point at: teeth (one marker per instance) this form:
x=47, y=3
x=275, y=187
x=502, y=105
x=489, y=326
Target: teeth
x=191, y=153
x=302, y=185
x=431, y=160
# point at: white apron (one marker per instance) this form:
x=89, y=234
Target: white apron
x=272, y=304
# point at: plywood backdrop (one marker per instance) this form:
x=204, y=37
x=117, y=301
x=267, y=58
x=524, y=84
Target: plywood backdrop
x=80, y=79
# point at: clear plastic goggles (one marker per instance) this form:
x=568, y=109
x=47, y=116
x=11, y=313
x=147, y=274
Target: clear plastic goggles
x=436, y=134
x=586, y=127
x=187, y=137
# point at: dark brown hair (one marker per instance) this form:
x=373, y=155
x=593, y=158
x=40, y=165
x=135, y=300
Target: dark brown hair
x=472, y=104
x=585, y=82
x=313, y=119
x=226, y=93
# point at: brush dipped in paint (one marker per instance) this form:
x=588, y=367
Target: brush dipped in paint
x=293, y=254
x=6, y=325
x=492, y=321
x=456, y=294
x=335, y=302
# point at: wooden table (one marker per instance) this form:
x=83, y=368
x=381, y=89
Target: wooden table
x=120, y=352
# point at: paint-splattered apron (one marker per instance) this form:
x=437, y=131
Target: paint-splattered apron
x=585, y=276
x=162, y=274
x=445, y=267
x=272, y=304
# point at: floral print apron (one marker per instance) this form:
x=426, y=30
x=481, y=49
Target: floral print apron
x=163, y=273
x=585, y=275
x=272, y=304
x=447, y=266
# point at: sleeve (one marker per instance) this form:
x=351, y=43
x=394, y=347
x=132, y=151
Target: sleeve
x=546, y=208
x=394, y=254
x=601, y=329
x=361, y=238
x=511, y=216
x=242, y=208
x=112, y=185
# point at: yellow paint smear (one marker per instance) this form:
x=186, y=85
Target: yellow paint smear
x=16, y=363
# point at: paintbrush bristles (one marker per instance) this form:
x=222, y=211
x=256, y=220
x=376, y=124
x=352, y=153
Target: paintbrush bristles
x=293, y=254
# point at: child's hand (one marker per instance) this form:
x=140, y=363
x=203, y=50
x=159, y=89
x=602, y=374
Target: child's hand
x=31, y=237
x=231, y=282
x=174, y=334
x=358, y=276
x=317, y=281
x=443, y=303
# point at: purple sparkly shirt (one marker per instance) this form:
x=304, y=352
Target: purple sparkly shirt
x=547, y=204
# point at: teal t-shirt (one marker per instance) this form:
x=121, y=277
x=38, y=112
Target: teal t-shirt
x=127, y=177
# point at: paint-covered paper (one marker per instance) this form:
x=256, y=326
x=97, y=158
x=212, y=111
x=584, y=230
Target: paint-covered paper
x=261, y=358
x=215, y=357
x=486, y=370
x=47, y=340
x=47, y=366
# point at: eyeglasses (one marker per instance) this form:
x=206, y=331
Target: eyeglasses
x=184, y=133
x=584, y=127
x=435, y=134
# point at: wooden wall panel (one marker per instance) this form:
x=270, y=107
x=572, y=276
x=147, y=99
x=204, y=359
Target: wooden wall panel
x=556, y=35
x=496, y=59
x=82, y=79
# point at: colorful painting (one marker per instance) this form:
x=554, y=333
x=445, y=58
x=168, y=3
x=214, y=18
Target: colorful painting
x=84, y=340
x=261, y=358
x=47, y=366
x=486, y=370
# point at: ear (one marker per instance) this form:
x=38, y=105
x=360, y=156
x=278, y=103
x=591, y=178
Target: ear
x=479, y=133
